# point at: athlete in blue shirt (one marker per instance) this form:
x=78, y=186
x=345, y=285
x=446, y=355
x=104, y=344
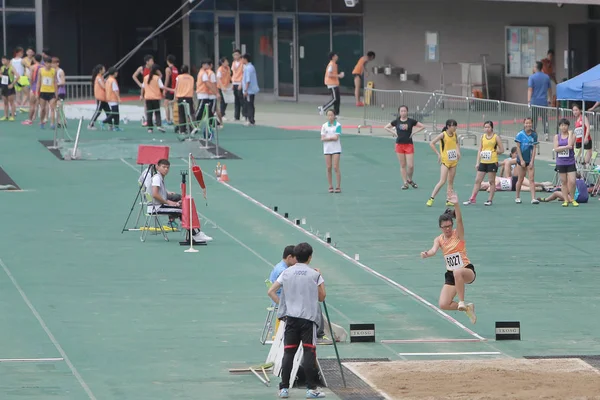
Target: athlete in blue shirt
x=527, y=141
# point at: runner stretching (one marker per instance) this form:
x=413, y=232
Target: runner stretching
x=487, y=162
x=565, y=162
x=459, y=270
x=448, y=157
x=509, y=185
x=405, y=149
x=359, y=72
x=527, y=141
x=332, y=148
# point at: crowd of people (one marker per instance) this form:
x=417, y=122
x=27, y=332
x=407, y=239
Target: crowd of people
x=178, y=91
x=32, y=83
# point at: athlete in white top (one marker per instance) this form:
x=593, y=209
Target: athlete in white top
x=332, y=148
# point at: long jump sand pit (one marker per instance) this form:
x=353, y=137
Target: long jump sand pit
x=520, y=379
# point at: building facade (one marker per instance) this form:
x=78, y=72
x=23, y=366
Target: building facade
x=421, y=45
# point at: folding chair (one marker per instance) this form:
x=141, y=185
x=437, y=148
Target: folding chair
x=268, y=330
x=151, y=218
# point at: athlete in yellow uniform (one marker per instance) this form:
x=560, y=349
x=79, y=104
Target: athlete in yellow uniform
x=46, y=87
x=459, y=270
x=487, y=162
x=448, y=157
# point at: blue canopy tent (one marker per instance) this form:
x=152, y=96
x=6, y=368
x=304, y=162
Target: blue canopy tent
x=584, y=87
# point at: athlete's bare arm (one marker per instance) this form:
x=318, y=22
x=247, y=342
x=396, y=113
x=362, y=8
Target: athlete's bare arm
x=139, y=71
x=433, y=143
x=431, y=252
x=500, y=146
x=417, y=128
x=390, y=128
x=460, y=228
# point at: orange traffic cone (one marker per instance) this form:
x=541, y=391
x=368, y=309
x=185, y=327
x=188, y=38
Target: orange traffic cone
x=224, y=176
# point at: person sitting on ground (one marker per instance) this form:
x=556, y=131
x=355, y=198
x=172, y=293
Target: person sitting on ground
x=581, y=193
x=160, y=200
x=510, y=184
x=507, y=166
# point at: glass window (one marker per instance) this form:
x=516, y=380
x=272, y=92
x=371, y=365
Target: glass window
x=256, y=5
x=339, y=6
x=206, y=5
x=525, y=46
x=20, y=30
x=314, y=6
x=348, y=44
x=285, y=5
x=19, y=3
x=227, y=5
x=256, y=35
x=202, y=39
x=313, y=42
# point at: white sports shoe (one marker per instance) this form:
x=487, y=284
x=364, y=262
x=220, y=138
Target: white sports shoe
x=518, y=200
x=471, y=312
x=202, y=237
x=461, y=306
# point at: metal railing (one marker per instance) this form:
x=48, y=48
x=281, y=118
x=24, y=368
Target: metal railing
x=79, y=88
x=433, y=109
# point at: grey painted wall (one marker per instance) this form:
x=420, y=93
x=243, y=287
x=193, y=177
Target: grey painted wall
x=395, y=30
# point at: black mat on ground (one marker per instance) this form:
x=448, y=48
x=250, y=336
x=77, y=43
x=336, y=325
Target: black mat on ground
x=356, y=388
x=6, y=180
x=49, y=143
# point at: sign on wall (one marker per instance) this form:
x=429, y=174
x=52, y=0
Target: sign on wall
x=525, y=45
x=431, y=46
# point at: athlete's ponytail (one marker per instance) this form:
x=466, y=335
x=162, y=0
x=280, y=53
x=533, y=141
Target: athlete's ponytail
x=97, y=69
x=448, y=215
x=153, y=71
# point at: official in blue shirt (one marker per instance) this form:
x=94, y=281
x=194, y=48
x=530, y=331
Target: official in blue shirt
x=287, y=261
x=249, y=88
x=527, y=141
x=539, y=94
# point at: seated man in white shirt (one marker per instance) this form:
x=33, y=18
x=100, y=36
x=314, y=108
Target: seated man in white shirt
x=145, y=182
x=161, y=203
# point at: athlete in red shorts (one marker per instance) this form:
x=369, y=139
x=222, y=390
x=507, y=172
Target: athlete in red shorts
x=402, y=128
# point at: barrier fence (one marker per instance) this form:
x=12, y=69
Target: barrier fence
x=433, y=109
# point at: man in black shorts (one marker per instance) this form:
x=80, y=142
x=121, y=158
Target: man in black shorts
x=302, y=290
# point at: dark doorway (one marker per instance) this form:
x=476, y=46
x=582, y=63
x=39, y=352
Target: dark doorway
x=584, y=48
x=84, y=33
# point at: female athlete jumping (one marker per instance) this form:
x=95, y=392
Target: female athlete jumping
x=405, y=149
x=448, y=157
x=459, y=270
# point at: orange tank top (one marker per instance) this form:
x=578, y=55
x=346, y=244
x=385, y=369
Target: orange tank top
x=455, y=251
x=238, y=71
x=111, y=95
x=359, y=68
x=330, y=81
x=184, y=86
x=201, y=85
x=225, y=80
x=99, y=91
x=152, y=90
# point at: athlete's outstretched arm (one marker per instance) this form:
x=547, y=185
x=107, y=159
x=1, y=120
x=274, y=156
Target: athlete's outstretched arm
x=431, y=252
x=460, y=228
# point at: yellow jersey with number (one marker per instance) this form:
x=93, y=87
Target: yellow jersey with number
x=455, y=251
x=488, y=154
x=48, y=79
x=449, y=150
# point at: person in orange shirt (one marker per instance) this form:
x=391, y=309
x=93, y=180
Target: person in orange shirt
x=358, y=73
x=332, y=81
x=152, y=93
x=223, y=83
x=113, y=98
x=100, y=94
x=206, y=90
x=548, y=66
x=184, y=92
x=237, y=68
x=459, y=270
